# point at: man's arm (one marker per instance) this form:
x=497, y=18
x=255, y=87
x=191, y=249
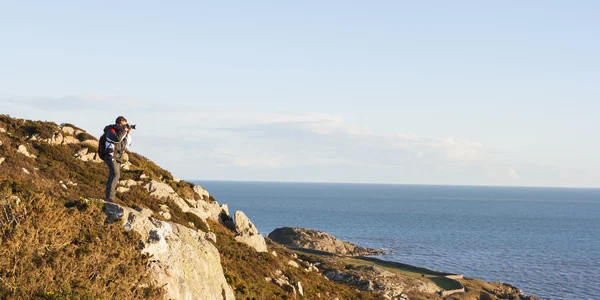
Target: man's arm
x=127, y=141
x=114, y=137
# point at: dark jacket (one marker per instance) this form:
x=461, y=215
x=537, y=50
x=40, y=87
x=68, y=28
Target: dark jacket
x=117, y=141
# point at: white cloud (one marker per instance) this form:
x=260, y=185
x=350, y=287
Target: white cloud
x=199, y=143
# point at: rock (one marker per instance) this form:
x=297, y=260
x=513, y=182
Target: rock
x=188, y=267
x=300, y=290
x=69, y=139
x=211, y=236
x=164, y=207
x=2, y=160
x=160, y=190
x=122, y=189
x=176, y=179
x=293, y=264
x=2, y=130
x=0, y=142
x=274, y=253
x=77, y=132
x=165, y=215
x=68, y=130
x=247, y=233
x=56, y=139
x=201, y=192
x=23, y=150
x=112, y=211
x=318, y=240
x=143, y=176
x=130, y=182
x=25, y=171
x=285, y=285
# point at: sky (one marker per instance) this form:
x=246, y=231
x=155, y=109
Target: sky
x=410, y=92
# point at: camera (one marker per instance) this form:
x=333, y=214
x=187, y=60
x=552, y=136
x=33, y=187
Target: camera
x=130, y=126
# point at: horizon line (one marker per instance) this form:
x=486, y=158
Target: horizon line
x=406, y=184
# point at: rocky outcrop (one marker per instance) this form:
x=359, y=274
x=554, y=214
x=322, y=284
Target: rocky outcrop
x=507, y=291
x=318, y=240
x=247, y=232
x=183, y=261
x=85, y=155
x=201, y=192
x=202, y=208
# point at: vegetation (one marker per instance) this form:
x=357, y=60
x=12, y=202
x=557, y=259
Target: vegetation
x=245, y=270
x=54, y=243
x=52, y=252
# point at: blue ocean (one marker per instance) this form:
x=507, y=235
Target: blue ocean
x=543, y=240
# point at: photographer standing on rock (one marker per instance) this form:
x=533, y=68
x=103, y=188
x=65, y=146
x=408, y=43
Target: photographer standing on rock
x=113, y=143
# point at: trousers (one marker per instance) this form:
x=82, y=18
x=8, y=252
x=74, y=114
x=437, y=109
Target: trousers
x=113, y=177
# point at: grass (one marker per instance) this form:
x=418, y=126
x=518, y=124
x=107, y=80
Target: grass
x=408, y=270
x=52, y=252
x=245, y=270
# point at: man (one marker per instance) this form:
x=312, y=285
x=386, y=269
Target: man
x=118, y=140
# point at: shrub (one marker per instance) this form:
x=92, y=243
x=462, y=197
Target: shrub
x=49, y=250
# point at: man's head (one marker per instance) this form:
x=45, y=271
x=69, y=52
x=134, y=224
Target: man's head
x=121, y=121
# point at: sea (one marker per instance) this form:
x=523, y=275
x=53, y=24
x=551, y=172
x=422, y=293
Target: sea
x=542, y=240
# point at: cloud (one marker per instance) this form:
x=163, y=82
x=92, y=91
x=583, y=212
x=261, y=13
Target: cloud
x=196, y=142
x=513, y=174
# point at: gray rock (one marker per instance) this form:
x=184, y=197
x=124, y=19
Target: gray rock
x=2, y=160
x=154, y=236
x=113, y=212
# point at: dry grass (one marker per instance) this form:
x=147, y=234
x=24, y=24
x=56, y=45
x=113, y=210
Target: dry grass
x=245, y=270
x=52, y=252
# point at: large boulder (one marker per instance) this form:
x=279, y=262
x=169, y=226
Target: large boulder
x=184, y=262
x=318, y=240
x=247, y=232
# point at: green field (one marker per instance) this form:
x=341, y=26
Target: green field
x=438, y=278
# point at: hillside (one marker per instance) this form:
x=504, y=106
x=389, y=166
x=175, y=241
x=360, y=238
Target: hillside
x=163, y=238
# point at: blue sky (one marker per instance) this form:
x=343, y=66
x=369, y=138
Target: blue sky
x=461, y=92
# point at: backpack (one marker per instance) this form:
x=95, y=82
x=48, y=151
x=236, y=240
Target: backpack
x=102, y=146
